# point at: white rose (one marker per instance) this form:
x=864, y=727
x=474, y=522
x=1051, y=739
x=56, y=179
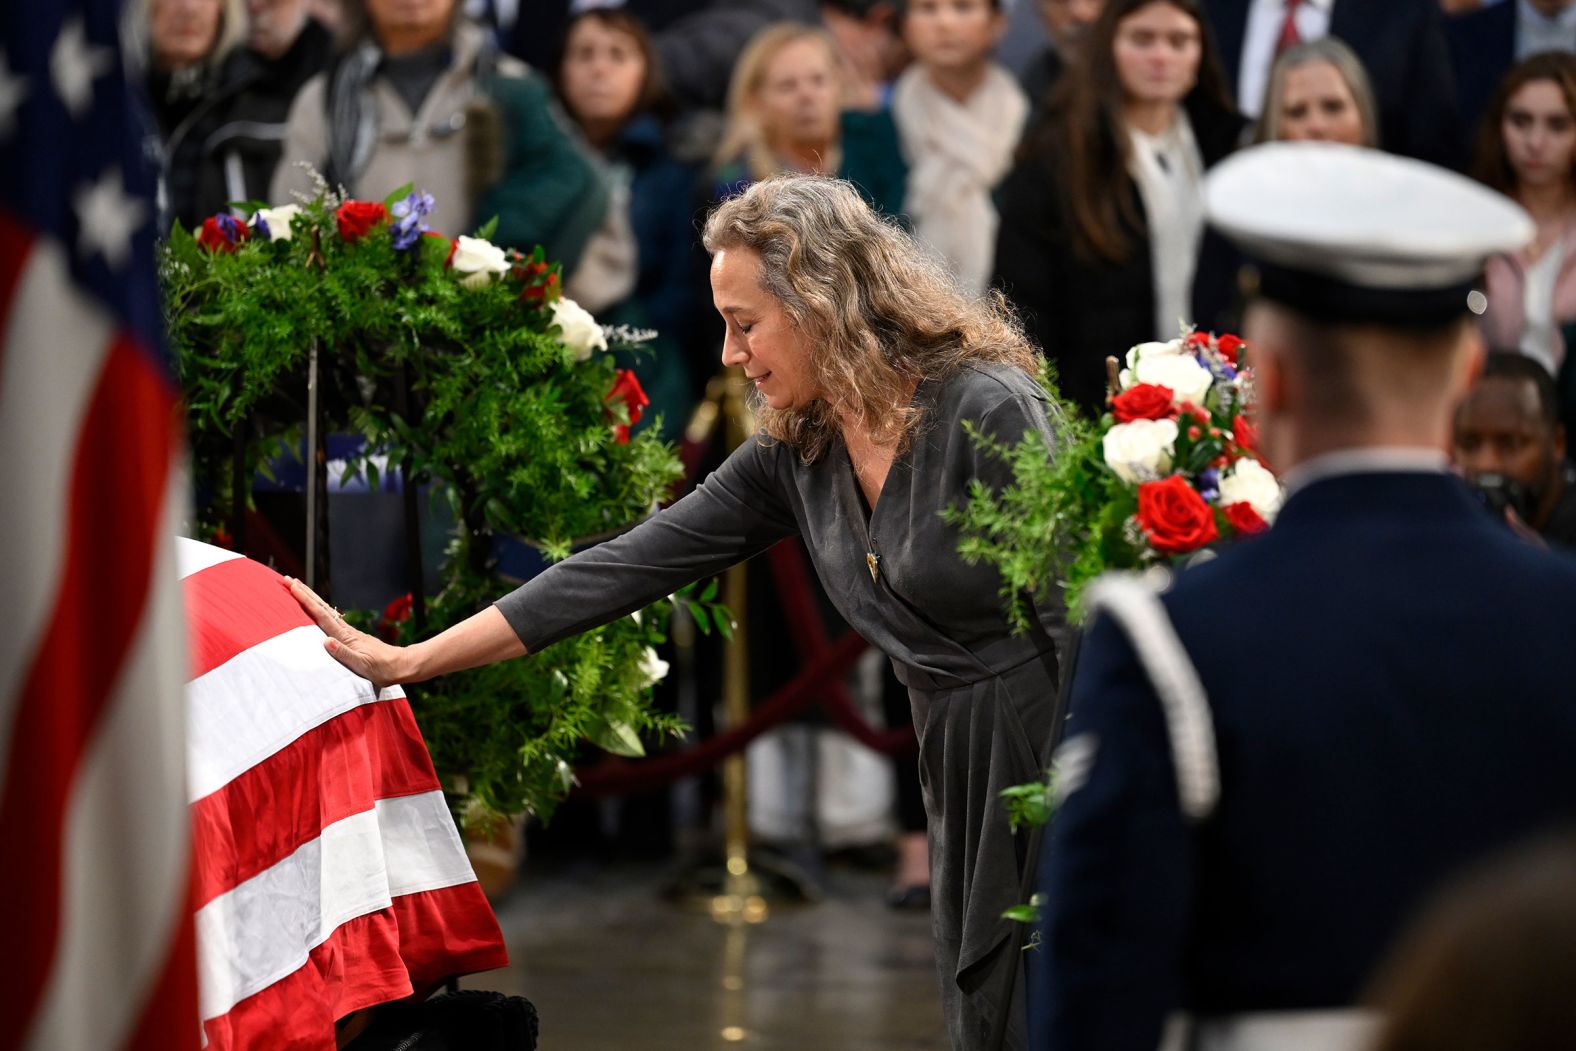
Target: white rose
x=652, y=668
x=478, y=261
x=1180, y=373
x=581, y=333
x=1140, y=451
x=278, y=220
x=1250, y=482
x=1153, y=350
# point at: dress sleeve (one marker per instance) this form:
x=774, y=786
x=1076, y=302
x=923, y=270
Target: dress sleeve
x=739, y=511
x=1117, y=868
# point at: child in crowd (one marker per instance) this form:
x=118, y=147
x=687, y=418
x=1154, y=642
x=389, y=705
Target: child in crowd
x=960, y=116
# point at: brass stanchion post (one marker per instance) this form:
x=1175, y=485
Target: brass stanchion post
x=736, y=893
x=741, y=893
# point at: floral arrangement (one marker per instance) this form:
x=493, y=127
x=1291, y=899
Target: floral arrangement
x=1171, y=468
x=462, y=361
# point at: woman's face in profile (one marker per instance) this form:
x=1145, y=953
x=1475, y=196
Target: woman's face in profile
x=761, y=339
x=1157, y=50
x=1317, y=105
x=1539, y=133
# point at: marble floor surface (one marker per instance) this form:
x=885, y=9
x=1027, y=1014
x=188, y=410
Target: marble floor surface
x=612, y=966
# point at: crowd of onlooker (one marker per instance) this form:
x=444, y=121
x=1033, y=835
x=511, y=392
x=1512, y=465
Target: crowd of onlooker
x=602, y=130
x=1071, y=183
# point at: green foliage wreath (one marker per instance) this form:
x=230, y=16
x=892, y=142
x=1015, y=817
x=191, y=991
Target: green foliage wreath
x=456, y=359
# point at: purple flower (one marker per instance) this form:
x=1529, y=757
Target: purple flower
x=260, y=228
x=232, y=229
x=1209, y=483
x=410, y=219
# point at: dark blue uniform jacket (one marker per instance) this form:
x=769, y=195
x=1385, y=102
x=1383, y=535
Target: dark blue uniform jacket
x=1392, y=678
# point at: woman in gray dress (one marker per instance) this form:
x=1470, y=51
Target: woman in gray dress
x=866, y=361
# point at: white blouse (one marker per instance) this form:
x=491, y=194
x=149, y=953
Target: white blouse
x=1169, y=171
x=1540, y=338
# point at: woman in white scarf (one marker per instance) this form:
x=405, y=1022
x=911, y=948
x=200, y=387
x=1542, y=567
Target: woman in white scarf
x=960, y=117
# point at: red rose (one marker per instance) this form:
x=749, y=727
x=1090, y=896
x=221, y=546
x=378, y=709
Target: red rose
x=1230, y=347
x=1174, y=517
x=1198, y=339
x=397, y=612
x=1246, y=433
x=357, y=218
x=626, y=388
x=221, y=233
x=1145, y=401
x=1244, y=519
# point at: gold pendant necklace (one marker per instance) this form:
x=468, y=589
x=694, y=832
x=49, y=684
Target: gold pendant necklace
x=873, y=560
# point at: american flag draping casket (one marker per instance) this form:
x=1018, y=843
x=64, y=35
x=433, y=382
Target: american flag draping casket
x=329, y=874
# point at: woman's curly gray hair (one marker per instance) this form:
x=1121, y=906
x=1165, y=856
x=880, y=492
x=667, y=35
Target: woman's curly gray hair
x=879, y=311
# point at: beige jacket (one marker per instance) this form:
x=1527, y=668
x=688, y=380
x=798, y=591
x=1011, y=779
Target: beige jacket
x=426, y=148
x=430, y=150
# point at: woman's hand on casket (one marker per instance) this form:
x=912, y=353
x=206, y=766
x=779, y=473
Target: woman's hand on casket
x=480, y=639
x=366, y=655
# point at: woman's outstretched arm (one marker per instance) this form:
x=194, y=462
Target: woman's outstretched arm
x=479, y=639
x=737, y=512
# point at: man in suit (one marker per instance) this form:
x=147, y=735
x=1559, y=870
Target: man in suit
x=1484, y=44
x=1401, y=44
x=1269, y=767
x=1067, y=23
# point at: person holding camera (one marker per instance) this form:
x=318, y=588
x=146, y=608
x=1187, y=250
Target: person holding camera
x=1510, y=444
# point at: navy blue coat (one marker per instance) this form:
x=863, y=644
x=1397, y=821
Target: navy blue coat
x=1392, y=677
x=1483, y=48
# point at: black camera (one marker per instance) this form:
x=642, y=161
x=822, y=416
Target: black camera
x=1500, y=492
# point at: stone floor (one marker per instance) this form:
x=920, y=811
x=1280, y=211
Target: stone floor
x=612, y=966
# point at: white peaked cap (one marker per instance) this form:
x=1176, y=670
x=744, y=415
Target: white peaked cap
x=1361, y=234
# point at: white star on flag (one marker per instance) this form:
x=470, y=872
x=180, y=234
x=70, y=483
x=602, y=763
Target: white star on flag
x=74, y=65
x=107, y=218
x=12, y=91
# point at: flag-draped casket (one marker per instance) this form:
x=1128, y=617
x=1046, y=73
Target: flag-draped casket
x=329, y=874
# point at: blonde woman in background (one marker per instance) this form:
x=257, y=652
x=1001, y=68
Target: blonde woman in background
x=1319, y=92
x=789, y=111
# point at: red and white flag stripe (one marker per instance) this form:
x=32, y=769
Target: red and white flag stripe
x=98, y=877
x=330, y=875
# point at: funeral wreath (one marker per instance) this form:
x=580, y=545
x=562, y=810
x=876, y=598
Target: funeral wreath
x=460, y=362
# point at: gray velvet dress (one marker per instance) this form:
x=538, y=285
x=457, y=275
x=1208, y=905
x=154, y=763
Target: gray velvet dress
x=982, y=696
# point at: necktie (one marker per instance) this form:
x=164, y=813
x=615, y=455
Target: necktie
x=1289, y=37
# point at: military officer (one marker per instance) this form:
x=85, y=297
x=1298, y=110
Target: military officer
x=1268, y=769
